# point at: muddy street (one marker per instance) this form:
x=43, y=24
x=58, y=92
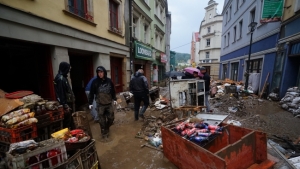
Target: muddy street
x=123, y=150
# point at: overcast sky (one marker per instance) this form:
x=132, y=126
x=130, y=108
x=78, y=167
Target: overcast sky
x=186, y=18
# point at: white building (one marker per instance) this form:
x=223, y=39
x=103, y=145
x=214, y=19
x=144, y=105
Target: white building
x=210, y=40
x=238, y=14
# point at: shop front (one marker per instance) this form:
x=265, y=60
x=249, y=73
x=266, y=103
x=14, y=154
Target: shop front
x=143, y=60
x=159, y=68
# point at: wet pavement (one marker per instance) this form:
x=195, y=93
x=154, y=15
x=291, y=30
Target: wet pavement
x=123, y=150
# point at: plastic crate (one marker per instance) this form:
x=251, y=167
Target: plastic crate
x=43, y=134
x=73, y=163
x=4, y=147
x=20, y=161
x=43, y=120
x=55, y=126
x=56, y=114
x=18, y=134
x=89, y=155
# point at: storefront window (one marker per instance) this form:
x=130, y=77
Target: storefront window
x=224, y=71
x=234, y=71
x=277, y=70
x=255, y=66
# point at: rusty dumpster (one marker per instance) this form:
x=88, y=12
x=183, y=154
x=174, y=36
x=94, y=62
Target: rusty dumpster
x=235, y=148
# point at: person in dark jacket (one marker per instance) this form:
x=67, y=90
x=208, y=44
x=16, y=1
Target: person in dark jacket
x=94, y=113
x=140, y=90
x=206, y=79
x=104, y=91
x=64, y=93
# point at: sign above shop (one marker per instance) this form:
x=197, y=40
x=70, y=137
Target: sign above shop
x=143, y=51
x=163, y=58
x=272, y=11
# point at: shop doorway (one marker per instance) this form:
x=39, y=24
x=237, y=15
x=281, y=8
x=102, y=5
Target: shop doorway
x=27, y=67
x=117, y=73
x=81, y=73
x=139, y=66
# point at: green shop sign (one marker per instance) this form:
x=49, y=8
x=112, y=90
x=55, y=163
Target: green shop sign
x=142, y=51
x=272, y=11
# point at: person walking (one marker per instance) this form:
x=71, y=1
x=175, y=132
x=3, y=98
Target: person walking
x=104, y=90
x=87, y=92
x=64, y=93
x=139, y=88
x=206, y=79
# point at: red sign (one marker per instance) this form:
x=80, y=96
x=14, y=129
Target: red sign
x=163, y=58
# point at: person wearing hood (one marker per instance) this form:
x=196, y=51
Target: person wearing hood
x=139, y=88
x=64, y=93
x=103, y=89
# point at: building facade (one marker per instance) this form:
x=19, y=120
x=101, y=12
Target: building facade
x=35, y=36
x=194, y=47
x=149, y=34
x=210, y=40
x=286, y=71
x=237, y=15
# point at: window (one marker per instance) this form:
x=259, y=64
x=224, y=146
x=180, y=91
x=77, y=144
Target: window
x=226, y=17
x=146, y=28
x=207, y=55
x=241, y=28
x=207, y=42
x=234, y=34
x=228, y=38
x=135, y=27
x=237, y=5
x=230, y=9
x=209, y=16
x=82, y=8
x=234, y=71
x=225, y=41
x=252, y=15
x=224, y=71
x=114, y=16
x=255, y=66
x=208, y=29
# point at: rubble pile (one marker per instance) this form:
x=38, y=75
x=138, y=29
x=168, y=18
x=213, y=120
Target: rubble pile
x=218, y=87
x=291, y=101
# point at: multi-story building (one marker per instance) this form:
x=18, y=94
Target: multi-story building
x=210, y=40
x=286, y=71
x=194, y=47
x=237, y=15
x=168, y=39
x=149, y=34
x=35, y=36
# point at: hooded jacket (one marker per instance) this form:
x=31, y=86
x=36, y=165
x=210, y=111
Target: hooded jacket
x=139, y=84
x=62, y=87
x=103, y=89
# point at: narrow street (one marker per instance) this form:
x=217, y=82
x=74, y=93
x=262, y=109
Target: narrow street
x=123, y=150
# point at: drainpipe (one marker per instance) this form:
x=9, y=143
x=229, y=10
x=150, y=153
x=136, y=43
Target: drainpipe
x=130, y=37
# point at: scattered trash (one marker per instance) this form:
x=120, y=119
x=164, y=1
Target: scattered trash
x=232, y=109
x=234, y=122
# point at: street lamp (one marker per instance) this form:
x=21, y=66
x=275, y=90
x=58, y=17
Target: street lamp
x=251, y=27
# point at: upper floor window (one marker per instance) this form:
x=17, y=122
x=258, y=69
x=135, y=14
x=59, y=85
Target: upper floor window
x=228, y=38
x=82, y=8
x=135, y=27
x=241, y=28
x=114, y=23
x=208, y=29
x=207, y=55
x=252, y=15
x=209, y=16
x=230, y=9
x=146, y=33
x=225, y=41
x=227, y=19
x=237, y=5
x=207, y=42
x=234, y=34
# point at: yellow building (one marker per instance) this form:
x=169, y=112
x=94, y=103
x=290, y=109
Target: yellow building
x=36, y=35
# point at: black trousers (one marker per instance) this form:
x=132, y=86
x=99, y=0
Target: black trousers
x=138, y=97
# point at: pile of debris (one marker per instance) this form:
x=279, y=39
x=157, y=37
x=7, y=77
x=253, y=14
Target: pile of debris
x=221, y=87
x=291, y=101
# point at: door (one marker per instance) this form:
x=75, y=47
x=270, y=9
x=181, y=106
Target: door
x=117, y=73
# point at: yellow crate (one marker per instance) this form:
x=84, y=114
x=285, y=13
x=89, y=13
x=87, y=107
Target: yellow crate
x=95, y=166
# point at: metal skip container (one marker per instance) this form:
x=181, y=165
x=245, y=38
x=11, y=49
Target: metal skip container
x=236, y=147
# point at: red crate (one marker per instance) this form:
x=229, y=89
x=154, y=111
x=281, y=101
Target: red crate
x=18, y=134
x=56, y=115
